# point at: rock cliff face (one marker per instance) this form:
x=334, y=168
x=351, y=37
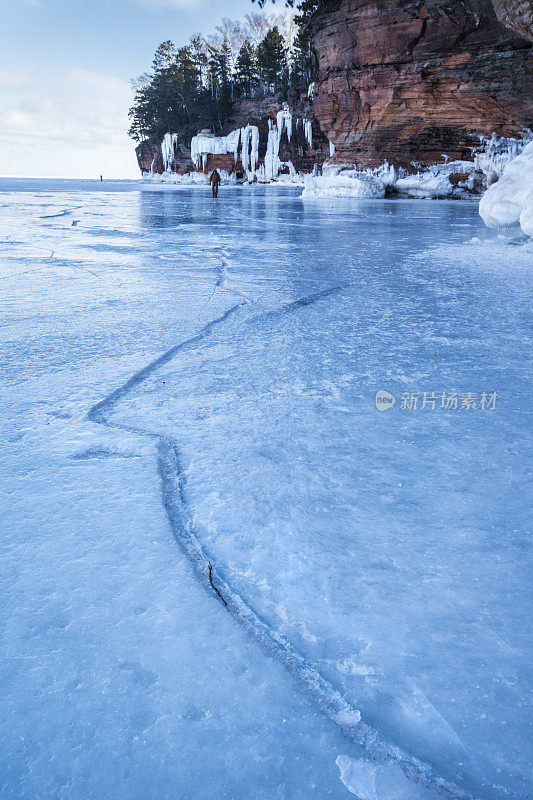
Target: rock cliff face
x=410, y=80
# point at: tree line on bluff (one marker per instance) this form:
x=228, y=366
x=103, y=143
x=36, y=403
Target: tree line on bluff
x=195, y=86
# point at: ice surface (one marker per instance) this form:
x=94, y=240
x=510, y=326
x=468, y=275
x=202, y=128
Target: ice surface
x=510, y=200
x=386, y=552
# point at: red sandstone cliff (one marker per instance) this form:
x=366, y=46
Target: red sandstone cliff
x=410, y=80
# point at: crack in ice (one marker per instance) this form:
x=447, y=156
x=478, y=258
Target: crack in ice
x=172, y=477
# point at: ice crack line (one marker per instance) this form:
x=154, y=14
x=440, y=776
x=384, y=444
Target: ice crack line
x=330, y=700
x=220, y=283
x=63, y=213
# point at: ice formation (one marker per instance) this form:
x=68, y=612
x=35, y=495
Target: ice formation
x=244, y=143
x=284, y=119
x=186, y=179
x=495, y=152
x=510, y=199
x=206, y=143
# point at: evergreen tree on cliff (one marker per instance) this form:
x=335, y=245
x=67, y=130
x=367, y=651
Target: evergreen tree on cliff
x=225, y=83
x=272, y=60
x=246, y=76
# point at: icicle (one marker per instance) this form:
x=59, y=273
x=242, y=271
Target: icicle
x=308, y=132
x=279, y=122
x=255, y=148
x=168, y=150
x=331, y=149
x=205, y=143
x=250, y=149
x=272, y=162
x=245, y=148
x=288, y=123
x=284, y=120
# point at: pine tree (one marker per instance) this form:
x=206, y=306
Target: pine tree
x=272, y=60
x=225, y=83
x=164, y=57
x=246, y=77
x=198, y=49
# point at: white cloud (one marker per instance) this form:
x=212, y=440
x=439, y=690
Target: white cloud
x=14, y=80
x=74, y=116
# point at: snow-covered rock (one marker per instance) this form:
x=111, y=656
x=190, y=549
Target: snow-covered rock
x=510, y=199
x=349, y=183
x=425, y=184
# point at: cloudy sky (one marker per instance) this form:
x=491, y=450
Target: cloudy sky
x=65, y=67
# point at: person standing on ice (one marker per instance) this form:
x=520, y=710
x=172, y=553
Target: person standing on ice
x=215, y=180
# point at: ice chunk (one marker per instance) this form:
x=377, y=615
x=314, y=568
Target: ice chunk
x=347, y=184
x=372, y=781
x=510, y=199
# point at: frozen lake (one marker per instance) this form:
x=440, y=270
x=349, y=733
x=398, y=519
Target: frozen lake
x=187, y=381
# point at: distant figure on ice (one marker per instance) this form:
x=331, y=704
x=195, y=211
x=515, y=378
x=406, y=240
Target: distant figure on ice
x=101, y=177
x=215, y=180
